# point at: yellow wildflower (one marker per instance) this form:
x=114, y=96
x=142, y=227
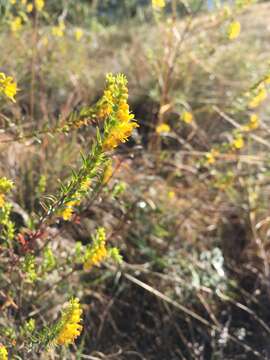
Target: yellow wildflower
x=171, y=195
x=85, y=185
x=259, y=97
x=12, y=2
x=23, y=2
x=253, y=122
x=234, y=30
x=78, y=34
x=67, y=212
x=97, y=252
x=29, y=8
x=2, y=200
x=211, y=156
x=16, y=24
x=3, y=353
x=114, y=106
x=58, y=31
x=158, y=4
x=70, y=323
x=238, y=142
x=187, y=117
x=39, y=4
x=163, y=128
x=8, y=86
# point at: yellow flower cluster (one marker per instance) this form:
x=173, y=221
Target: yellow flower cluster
x=211, y=156
x=58, y=31
x=3, y=353
x=234, y=30
x=238, y=142
x=253, y=123
x=70, y=323
x=39, y=4
x=67, y=212
x=114, y=106
x=158, y=4
x=187, y=117
x=5, y=186
x=78, y=34
x=259, y=97
x=8, y=86
x=97, y=252
x=163, y=128
x=16, y=24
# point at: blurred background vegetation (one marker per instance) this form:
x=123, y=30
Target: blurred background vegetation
x=187, y=203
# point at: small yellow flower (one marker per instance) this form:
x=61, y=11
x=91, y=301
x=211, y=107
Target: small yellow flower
x=254, y=122
x=78, y=34
x=234, y=30
x=158, y=4
x=12, y=2
x=3, y=353
x=70, y=322
x=238, y=142
x=29, y=8
x=211, y=156
x=259, y=97
x=171, y=195
x=8, y=86
x=16, y=24
x=67, y=212
x=58, y=31
x=97, y=252
x=187, y=117
x=163, y=128
x=39, y=4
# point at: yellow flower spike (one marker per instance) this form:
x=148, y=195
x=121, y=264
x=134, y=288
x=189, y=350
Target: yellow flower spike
x=70, y=322
x=187, y=117
x=58, y=31
x=234, y=30
x=163, y=128
x=158, y=4
x=3, y=353
x=78, y=34
x=238, y=142
x=67, y=212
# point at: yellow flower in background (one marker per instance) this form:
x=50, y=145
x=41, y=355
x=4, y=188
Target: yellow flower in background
x=108, y=172
x=3, y=353
x=234, y=30
x=16, y=24
x=58, y=31
x=78, y=34
x=158, y=4
x=39, y=4
x=187, y=117
x=254, y=122
x=238, y=142
x=163, y=128
x=23, y=2
x=29, y=8
x=261, y=95
x=211, y=156
x=12, y=2
x=171, y=195
x=8, y=86
x=70, y=323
